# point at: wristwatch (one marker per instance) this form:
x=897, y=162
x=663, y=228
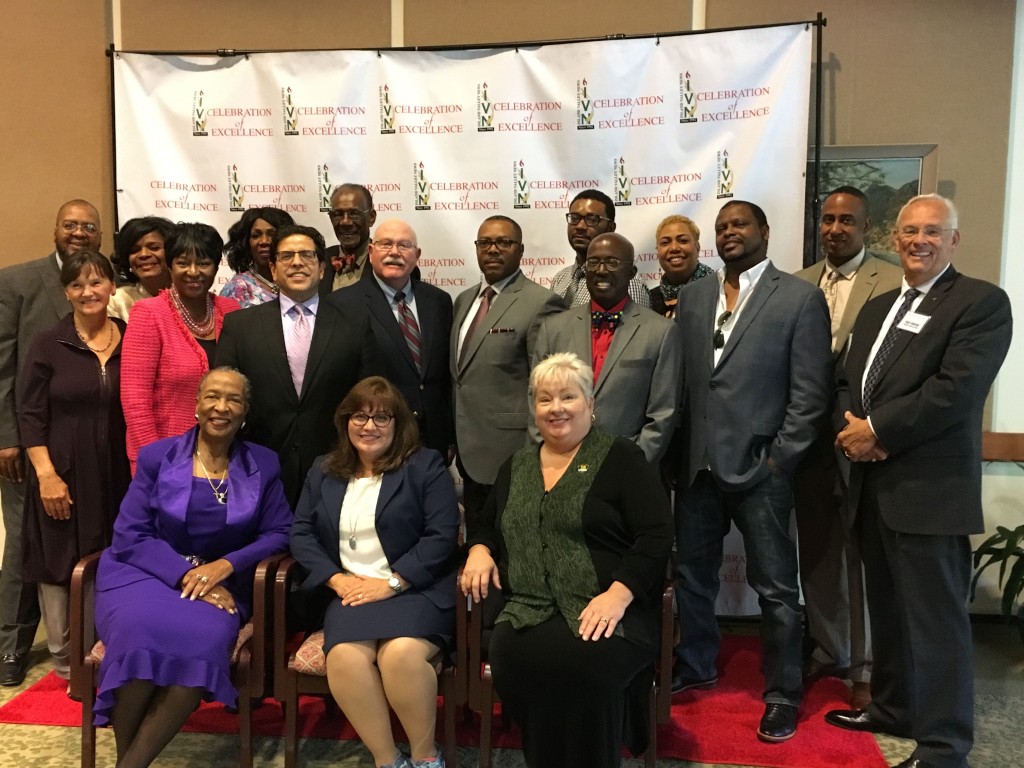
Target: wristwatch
x=395, y=584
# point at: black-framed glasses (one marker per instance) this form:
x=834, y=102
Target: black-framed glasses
x=380, y=418
x=501, y=243
x=355, y=215
x=591, y=219
x=611, y=265
x=719, y=337
x=307, y=257
x=70, y=226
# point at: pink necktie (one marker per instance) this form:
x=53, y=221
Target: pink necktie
x=298, y=349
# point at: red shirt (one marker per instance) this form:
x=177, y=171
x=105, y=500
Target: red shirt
x=601, y=336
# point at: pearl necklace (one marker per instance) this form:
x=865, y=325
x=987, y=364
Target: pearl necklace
x=269, y=285
x=85, y=341
x=201, y=328
x=221, y=496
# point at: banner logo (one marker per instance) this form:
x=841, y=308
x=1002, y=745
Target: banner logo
x=198, y=114
x=387, y=110
x=725, y=175
x=623, y=186
x=235, y=193
x=484, y=110
x=520, y=185
x=422, y=187
x=584, y=107
x=323, y=185
x=687, y=100
x=289, y=113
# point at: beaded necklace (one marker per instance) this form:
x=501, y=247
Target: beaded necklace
x=201, y=328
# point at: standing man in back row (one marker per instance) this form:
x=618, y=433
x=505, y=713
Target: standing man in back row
x=591, y=213
x=830, y=566
x=493, y=334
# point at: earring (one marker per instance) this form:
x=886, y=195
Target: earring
x=197, y=416
x=593, y=417
x=244, y=422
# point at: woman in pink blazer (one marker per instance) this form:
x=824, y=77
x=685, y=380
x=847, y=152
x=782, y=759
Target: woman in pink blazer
x=171, y=339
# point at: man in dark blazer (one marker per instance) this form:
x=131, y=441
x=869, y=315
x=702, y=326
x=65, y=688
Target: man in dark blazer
x=352, y=216
x=635, y=353
x=831, y=572
x=920, y=366
x=31, y=300
x=426, y=384
x=757, y=383
x=292, y=409
x=490, y=358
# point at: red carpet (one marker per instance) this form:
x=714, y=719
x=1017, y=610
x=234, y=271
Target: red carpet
x=707, y=726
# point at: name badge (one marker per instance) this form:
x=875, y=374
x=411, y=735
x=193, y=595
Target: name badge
x=913, y=322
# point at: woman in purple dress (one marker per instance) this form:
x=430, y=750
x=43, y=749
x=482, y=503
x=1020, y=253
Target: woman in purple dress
x=175, y=586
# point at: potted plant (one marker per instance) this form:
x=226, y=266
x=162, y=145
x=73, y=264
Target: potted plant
x=1005, y=547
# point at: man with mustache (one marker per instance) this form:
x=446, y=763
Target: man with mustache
x=301, y=355
x=31, y=300
x=352, y=216
x=411, y=321
x=830, y=566
x=635, y=353
x=757, y=383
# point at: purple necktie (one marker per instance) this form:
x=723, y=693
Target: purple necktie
x=298, y=349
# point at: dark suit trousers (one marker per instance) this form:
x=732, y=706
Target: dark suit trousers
x=923, y=680
x=19, y=605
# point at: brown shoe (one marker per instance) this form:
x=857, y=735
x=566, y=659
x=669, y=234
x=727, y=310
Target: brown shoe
x=860, y=695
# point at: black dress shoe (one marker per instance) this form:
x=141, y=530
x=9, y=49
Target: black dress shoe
x=778, y=723
x=13, y=667
x=913, y=762
x=858, y=720
x=680, y=684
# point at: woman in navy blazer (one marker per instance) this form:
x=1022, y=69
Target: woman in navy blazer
x=377, y=527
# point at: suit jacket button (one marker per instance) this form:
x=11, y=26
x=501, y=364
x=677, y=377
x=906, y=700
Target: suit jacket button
x=422, y=387
x=711, y=385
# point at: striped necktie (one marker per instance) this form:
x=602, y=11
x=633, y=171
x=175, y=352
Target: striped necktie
x=410, y=330
x=885, y=348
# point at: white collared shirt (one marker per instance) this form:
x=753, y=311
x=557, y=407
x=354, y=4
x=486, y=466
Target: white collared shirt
x=748, y=280
x=288, y=320
x=498, y=287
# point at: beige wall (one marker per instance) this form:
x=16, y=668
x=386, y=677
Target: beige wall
x=907, y=72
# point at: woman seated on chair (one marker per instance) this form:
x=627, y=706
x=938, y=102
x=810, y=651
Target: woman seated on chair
x=576, y=533
x=175, y=586
x=377, y=526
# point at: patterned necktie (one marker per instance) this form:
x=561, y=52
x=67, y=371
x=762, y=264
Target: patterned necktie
x=885, y=348
x=298, y=349
x=611, y=319
x=478, y=320
x=410, y=330
x=832, y=292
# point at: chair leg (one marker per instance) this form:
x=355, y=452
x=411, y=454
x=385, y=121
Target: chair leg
x=451, y=753
x=486, y=715
x=291, y=716
x=244, y=710
x=88, y=729
x=651, y=753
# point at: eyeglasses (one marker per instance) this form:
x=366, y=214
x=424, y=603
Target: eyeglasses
x=610, y=265
x=307, y=257
x=381, y=419
x=719, y=337
x=592, y=219
x=73, y=226
x=930, y=233
x=403, y=246
x=355, y=215
x=502, y=244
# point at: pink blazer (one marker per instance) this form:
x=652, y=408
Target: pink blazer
x=161, y=365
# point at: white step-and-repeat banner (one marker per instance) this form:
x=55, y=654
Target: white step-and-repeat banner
x=444, y=139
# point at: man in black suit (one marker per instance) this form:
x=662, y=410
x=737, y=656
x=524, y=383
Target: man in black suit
x=352, y=216
x=920, y=366
x=419, y=368
x=301, y=356
x=31, y=300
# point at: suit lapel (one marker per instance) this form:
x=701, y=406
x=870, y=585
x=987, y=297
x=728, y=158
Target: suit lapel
x=271, y=329
x=426, y=308
x=333, y=492
x=620, y=340
x=54, y=290
x=501, y=304
x=582, y=338
x=390, y=483
x=863, y=289
x=380, y=308
x=323, y=333
x=765, y=287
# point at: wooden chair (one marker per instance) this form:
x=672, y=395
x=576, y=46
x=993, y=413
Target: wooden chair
x=300, y=667
x=249, y=659
x=481, y=696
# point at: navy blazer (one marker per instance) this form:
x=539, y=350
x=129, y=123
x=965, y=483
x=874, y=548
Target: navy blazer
x=417, y=521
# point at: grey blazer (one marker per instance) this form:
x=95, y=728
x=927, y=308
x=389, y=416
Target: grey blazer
x=874, y=277
x=31, y=300
x=637, y=392
x=489, y=389
x=771, y=390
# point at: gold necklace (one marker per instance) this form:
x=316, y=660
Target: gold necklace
x=221, y=496
x=110, y=339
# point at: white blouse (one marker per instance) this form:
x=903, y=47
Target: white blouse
x=359, y=546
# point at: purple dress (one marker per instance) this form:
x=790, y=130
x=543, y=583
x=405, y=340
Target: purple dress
x=150, y=633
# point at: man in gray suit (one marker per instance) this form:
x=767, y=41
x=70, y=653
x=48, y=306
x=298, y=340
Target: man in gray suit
x=757, y=383
x=493, y=333
x=830, y=565
x=31, y=300
x=634, y=352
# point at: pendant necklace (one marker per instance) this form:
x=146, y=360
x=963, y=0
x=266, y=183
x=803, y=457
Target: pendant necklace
x=352, y=531
x=110, y=340
x=221, y=496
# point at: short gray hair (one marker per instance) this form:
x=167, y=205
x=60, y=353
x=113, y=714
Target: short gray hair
x=560, y=369
x=951, y=212
x=246, y=384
